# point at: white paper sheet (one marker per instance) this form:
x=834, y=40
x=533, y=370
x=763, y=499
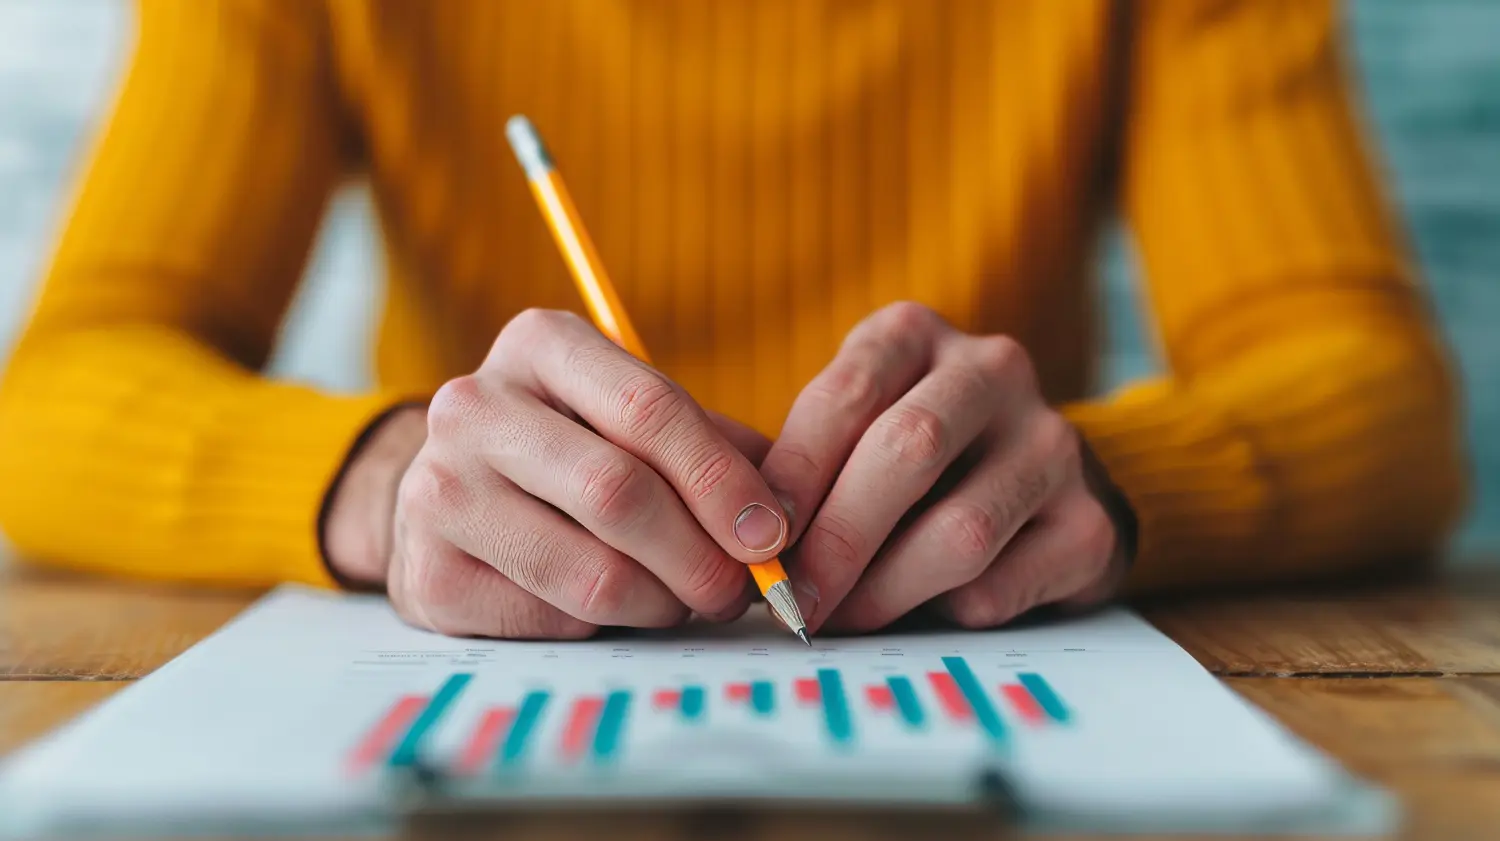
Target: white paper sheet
x=276, y=720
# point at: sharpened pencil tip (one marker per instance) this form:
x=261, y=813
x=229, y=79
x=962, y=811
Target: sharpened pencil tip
x=802, y=635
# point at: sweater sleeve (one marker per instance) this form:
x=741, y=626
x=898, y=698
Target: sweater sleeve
x=1308, y=423
x=137, y=436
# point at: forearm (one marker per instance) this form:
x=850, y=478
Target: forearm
x=139, y=451
x=1323, y=448
x=136, y=435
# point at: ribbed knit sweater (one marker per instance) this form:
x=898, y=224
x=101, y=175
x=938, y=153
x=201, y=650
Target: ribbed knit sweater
x=759, y=175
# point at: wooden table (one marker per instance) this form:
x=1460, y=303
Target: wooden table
x=1399, y=679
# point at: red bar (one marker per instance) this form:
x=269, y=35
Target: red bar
x=579, y=730
x=481, y=747
x=880, y=698
x=807, y=690
x=666, y=699
x=1026, y=706
x=737, y=691
x=382, y=737
x=952, y=699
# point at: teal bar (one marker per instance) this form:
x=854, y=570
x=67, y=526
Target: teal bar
x=835, y=707
x=763, y=697
x=611, y=725
x=906, y=700
x=692, y=703
x=407, y=752
x=984, y=711
x=1041, y=690
x=521, y=730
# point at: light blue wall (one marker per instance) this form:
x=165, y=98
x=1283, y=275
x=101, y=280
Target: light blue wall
x=1431, y=75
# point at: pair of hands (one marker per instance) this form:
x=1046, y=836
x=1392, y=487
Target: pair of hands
x=566, y=485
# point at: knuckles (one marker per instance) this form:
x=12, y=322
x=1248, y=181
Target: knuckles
x=1091, y=548
x=970, y=535
x=534, y=323
x=853, y=388
x=458, y=405
x=613, y=490
x=604, y=591
x=905, y=318
x=431, y=488
x=530, y=330
x=430, y=590
x=707, y=471
x=912, y=435
x=1003, y=359
x=646, y=405
x=906, y=324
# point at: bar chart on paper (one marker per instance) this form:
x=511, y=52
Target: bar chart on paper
x=310, y=705
x=835, y=705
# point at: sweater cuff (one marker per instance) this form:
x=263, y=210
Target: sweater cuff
x=271, y=469
x=1193, y=480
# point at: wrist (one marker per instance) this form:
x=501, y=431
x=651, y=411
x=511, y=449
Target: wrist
x=357, y=527
x=1116, y=505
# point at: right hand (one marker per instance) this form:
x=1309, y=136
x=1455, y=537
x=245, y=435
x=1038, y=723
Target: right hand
x=563, y=486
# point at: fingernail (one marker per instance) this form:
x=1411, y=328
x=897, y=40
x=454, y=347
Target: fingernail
x=807, y=596
x=758, y=529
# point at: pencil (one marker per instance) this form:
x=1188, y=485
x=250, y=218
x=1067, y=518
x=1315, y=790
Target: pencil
x=609, y=314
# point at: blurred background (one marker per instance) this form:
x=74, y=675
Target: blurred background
x=1430, y=74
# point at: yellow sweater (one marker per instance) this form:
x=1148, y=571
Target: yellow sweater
x=759, y=175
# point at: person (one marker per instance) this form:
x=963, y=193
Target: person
x=858, y=240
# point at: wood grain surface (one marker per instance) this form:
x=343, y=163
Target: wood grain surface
x=1400, y=681
x=1435, y=741
x=55, y=626
x=1432, y=625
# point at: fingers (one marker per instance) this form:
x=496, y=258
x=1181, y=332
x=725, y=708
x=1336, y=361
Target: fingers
x=647, y=415
x=616, y=497
x=955, y=540
x=434, y=585
x=880, y=360
x=1063, y=555
x=535, y=547
x=899, y=460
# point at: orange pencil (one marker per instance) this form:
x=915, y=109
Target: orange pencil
x=609, y=314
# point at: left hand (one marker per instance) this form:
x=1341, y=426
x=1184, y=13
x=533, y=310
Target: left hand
x=933, y=471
